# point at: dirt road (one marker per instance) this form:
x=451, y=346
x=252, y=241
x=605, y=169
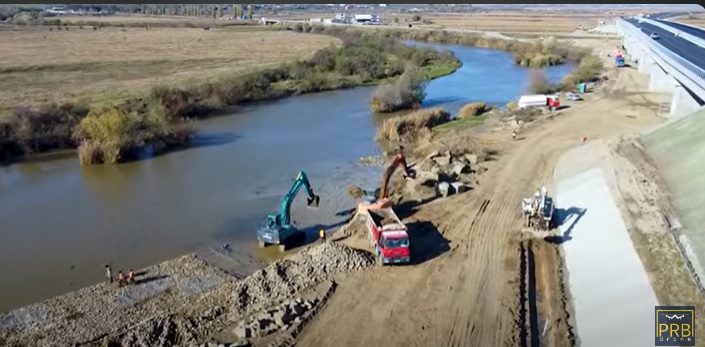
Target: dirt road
x=483, y=290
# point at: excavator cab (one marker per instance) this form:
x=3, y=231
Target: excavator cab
x=278, y=227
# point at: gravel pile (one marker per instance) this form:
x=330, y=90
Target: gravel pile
x=285, y=277
x=161, y=332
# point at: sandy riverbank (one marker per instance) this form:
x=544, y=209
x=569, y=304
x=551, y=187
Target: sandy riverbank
x=177, y=302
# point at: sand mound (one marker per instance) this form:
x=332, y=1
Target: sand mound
x=285, y=277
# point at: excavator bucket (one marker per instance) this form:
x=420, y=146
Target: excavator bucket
x=313, y=201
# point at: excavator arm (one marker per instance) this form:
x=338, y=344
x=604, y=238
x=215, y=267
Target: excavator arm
x=398, y=162
x=284, y=217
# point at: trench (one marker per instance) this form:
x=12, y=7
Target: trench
x=61, y=222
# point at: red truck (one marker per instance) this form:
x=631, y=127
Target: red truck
x=388, y=236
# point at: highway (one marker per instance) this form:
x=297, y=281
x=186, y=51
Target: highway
x=697, y=32
x=682, y=47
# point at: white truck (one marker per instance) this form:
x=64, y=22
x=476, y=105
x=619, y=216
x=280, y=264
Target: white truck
x=539, y=100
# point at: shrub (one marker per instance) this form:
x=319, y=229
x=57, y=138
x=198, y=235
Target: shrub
x=474, y=109
x=109, y=134
x=588, y=71
x=539, y=84
x=407, y=92
x=409, y=126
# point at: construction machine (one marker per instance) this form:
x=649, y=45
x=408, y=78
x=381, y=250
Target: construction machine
x=538, y=212
x=278, y=229
x=377, y=199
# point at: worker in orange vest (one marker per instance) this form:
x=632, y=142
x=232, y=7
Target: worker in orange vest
x=322, y=235
x=121, y=278
x=131, y=277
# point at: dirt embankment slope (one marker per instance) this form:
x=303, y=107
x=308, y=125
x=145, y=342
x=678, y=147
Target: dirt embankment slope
x=470, y=295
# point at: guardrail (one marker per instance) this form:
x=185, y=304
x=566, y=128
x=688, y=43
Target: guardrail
x=690, y=71
x=682, y=34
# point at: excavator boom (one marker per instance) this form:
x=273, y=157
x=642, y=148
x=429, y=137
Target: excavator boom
x=312, y=199
x=399, y=161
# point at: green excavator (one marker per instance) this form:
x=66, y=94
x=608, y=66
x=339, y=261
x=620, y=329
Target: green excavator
x=278, y=229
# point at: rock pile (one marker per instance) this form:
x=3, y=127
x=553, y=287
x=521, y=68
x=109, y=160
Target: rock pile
x=448, y=172
x=160, y=332
x=215, y=344
x=279, y=318
x=285, y=277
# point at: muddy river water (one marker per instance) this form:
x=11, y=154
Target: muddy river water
x=60, y=222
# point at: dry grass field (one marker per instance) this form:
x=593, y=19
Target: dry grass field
x=119, y=19
x=504, y=21
x=697, y=19
x=38, y=65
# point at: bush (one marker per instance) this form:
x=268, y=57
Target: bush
x=410, y=126
x=407, y=92
x=33, y=130
x=588, y=71
x=109, y=134
x=539, y=84
x=474, y=109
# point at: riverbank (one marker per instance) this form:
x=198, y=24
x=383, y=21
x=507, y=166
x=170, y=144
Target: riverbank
x=536, y=54
x=182, y=301
x=362, y=60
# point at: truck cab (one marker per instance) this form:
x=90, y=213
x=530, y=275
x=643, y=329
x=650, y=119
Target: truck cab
x=388, y=236
x=393, y=247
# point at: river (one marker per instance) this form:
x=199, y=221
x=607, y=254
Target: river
x=61, y=222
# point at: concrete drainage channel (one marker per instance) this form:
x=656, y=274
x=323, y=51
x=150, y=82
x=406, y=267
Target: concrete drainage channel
x=529, y=330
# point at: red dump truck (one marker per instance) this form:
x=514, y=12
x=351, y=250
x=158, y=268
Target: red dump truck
x=388, y=236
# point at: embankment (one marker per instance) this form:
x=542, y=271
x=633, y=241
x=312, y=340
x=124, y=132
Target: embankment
x=677, y=150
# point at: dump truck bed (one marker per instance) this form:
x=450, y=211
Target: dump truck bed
x=385, y=218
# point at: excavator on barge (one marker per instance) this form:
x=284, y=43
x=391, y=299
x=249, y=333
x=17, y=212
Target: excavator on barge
x=278, y=229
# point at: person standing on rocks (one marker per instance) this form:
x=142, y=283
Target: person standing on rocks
x=131, y=277
x=108, y=273
x=322, y=235
x=121, y=278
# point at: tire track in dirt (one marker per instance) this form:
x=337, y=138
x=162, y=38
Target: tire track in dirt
x=469, y=296
x=491, y=230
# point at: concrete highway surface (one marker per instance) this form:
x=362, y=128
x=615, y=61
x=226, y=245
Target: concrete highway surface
x=697, y=32
x=684, y=48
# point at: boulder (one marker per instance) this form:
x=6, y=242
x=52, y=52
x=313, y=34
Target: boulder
x=472, y=159
x=279, y=317
x=458, y=187
x=443, y=160
x=433, y=155
x=243, y=332
x=443, y=189
x=460, y=168
x=297, y=310
x=427, y=176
